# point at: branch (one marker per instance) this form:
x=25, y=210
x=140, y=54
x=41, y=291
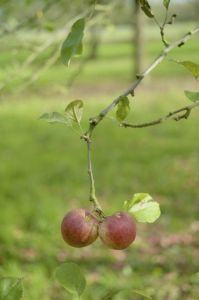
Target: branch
x=175, y=115
x=93, y=122
x=130, y=91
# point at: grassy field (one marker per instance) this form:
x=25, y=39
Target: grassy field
x=43, y=174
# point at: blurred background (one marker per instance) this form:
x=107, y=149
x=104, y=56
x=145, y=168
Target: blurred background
x=43, y=169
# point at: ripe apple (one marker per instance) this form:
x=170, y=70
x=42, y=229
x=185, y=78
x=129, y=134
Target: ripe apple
x=117, y=231
x=79, y=228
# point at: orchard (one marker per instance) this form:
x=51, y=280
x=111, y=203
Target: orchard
x=101, y=203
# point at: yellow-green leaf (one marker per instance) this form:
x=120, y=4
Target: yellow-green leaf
x=74, y=111
x=143, y=208
x=193, y=96
x=191, y=67
x=166, y=3
x=123, y=108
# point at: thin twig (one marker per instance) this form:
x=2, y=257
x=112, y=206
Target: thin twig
x=175, y=115
x=162, y=30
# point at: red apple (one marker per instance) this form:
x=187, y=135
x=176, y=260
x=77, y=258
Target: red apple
x=117, y=231
x=79, y=228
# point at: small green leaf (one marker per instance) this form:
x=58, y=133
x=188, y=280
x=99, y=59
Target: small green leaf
x=11, y=288
x=55, y=117
x=166, y=3
x=71, y=278
x=193, y=96
x=123, y=108
x=74, y=111
x=143, y=208
x=146, y=8
x=73, y=43
x=191, y=67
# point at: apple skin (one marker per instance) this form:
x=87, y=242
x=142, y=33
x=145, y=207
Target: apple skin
x=79, y=228
x=117, y=231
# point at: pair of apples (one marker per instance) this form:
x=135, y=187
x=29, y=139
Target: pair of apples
x=81, y=228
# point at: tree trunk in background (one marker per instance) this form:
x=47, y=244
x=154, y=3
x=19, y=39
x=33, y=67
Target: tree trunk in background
x=94, y=42
x=138, y=41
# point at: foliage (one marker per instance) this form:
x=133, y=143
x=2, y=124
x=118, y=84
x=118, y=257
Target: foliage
x=146, y=8
x=191, y=66
x=73, y=43
x=143, y=208
x=11, y=288
x=123, y=109
x=193, y=96
x=71, y=278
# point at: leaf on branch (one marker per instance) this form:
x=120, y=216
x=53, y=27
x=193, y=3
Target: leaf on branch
x=193, y=96
x=123, y=108
x=11, y=288
x=74, y=111
x=166, y=3
x=55, y=117
x=70, y=276
x=191, y=67
x=146, y=8
x=143, y=208
x=73, y=43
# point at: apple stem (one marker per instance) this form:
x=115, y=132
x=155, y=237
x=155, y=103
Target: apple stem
x=92, y=194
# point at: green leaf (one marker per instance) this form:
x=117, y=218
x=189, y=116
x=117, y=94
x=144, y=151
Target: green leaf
x=143, y=208
x=191, y=67
x=73, y=43
x=71, y=278
x=166, y=3
x=146, y=8
x=55, y=117
x=193, y=96
x=74, y=111
x=123, y=108
x=11, y=288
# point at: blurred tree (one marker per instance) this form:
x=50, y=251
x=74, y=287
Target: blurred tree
x=94, y=41
x=138, y=41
